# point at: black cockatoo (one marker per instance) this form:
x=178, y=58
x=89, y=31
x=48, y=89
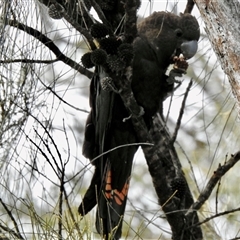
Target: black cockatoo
x=161, y=36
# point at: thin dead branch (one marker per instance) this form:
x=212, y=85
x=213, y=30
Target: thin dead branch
x=51, y=46
x=217, y=175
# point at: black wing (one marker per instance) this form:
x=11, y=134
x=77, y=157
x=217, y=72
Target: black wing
x=106, y=130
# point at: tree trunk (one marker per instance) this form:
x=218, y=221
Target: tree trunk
x=222, y=25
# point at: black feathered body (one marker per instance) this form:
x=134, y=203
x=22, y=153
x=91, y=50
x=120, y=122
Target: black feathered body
x=105, y=130
x=160, y=37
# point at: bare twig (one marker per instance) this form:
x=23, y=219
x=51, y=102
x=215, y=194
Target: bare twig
x=44, y=154
x=60, y=206
x=59, y=170
x=17, y=234
x=62, y=183
x=217, y=175
x=218, y=190
x=62, y=100
x=50, y=152
x=75, y=24
x=216, y=199
x=216, y=215
x=28, y=61
x=149, y=221
x=40, y=173
x=178, y=124
x=71, y=214
x=121, y=146
x=52, y=47
x=10, y=231
x=68, y=145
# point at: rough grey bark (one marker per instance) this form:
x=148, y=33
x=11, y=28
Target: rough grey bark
x=222, y=25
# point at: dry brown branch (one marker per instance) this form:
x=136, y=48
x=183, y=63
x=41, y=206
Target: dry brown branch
x=217, y=175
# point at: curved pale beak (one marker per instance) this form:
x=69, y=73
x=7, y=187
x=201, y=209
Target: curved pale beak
x=189, y=48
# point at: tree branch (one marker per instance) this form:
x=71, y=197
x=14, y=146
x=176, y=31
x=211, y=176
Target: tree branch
x=189, y=6
x=163, y=163
x=218, y=215
x=217, y=175
x=28, y=61
x=52, y=47
x=75, y=24
x=178, y=124
x=17, y=234
x=130, y=31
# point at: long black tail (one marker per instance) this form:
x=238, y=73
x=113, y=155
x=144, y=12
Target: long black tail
x=111, y=202
x=105, y=130
x=111, y=207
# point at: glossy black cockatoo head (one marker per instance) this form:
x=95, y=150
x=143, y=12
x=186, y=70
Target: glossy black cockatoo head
x=171, y=35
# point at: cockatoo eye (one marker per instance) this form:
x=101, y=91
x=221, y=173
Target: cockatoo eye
x=178, y=32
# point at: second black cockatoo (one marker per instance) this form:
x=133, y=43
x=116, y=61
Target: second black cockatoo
x=161, y=36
